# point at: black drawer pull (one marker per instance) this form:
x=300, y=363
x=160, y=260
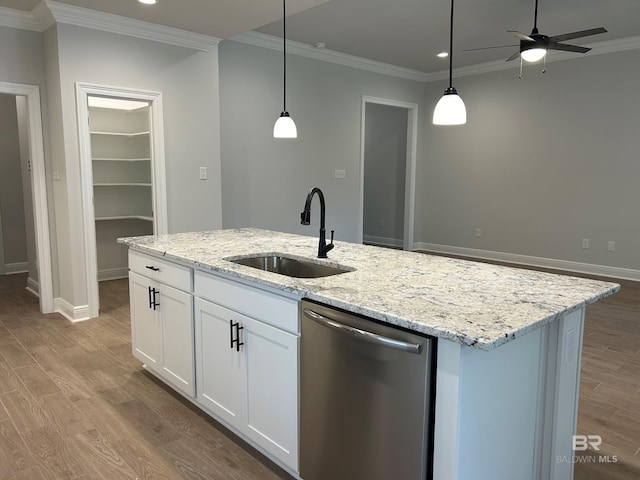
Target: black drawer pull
x=151, y=267
x=236, y=340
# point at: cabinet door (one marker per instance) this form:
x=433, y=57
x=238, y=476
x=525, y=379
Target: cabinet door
x=146, y=333
x=272, y=390
x=220, y=368
x=176, y=314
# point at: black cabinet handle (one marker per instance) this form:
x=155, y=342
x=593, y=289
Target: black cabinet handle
x=155, y=303
x=151, y=267
x=236, y=340
x=150, y=301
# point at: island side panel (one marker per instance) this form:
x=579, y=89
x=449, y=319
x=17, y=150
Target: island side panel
x=487, y=415
x=562, y=388
x=509, y=413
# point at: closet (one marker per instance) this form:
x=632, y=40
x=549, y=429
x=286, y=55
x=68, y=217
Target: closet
x=121, y=161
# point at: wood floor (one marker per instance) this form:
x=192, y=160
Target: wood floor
x=75, y=404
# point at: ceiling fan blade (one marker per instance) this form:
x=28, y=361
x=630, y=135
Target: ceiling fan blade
x=567, y=48
x=513, y=57
x=521, y=36
x=581, y=33
x=488, y=48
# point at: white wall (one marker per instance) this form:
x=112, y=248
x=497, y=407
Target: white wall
x=266, y=180
x=542, y=163
x=189, y=83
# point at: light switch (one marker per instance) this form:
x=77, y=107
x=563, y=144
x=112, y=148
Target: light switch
x=203, y=173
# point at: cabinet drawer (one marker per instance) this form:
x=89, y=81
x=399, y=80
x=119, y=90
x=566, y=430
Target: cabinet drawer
x=271, y=308
x=169, y=273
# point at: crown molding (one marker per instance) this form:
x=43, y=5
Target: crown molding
x=46, y=13
x=296, y=48
x=597, y=48
x=107, y=22
x=12, y=18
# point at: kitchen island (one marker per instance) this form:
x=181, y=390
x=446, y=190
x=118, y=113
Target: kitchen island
x=509, y=340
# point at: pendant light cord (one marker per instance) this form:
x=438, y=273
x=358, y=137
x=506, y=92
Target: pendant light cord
x=284, y=41
x=451, y=48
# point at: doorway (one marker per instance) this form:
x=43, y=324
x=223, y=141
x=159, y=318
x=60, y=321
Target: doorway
x=29, y=117
x=388, y=163
x=123, y=176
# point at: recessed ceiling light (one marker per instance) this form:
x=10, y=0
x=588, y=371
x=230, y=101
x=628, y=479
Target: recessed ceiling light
x=443, y=55
x=148, y=2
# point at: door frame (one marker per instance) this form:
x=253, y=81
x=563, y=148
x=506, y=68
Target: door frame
x=410, y=169
x=38, y=189
x=159, y=202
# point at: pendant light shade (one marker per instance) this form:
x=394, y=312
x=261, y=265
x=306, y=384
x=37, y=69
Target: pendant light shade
x=284, y=127
x=450, y=110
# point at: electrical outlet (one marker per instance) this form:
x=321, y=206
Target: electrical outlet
x=585, y=243
x=203, y=173
x=340, y=174
x=478, y=232
x=611, y=246
x=382, y=222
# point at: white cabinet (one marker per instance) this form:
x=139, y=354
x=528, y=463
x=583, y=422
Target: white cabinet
x=247, y=369
x=162, y=319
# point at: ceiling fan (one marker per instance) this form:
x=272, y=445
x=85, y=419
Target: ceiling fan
x=533, y=47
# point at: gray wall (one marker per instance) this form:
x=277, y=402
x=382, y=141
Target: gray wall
x=188, y=81
x=14, y=236
x=542, y=163
x=266, y=180
x=22, y=61
x=385, y=159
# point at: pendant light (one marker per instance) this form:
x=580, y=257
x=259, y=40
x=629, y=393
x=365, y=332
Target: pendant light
x=450, y=110
x=284, y=126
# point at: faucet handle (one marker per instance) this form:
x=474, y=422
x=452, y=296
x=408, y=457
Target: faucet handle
x=332, y=232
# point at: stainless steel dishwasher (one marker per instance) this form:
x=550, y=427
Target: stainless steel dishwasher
x=366, y=400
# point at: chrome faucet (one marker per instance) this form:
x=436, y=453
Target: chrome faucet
x=305, y=219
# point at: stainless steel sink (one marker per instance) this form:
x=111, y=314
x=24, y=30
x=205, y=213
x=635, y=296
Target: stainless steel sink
x=291, y=267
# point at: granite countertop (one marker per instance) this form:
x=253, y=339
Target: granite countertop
x=475, y=304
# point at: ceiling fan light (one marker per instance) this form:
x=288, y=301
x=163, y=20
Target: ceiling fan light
x=285, y=127
x=533, y=54
x=450, y=109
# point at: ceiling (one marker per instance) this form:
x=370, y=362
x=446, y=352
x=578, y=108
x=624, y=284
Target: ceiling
x=407, y=33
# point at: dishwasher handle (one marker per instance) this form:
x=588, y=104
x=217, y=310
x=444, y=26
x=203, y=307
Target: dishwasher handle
x=364, y=334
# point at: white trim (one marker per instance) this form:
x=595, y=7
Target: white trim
x=410, y=167
x=12, y=18
x=160, y=225
x=382, y=241
x=13, y=268
x=85, y=17
x=296, y=48
x=555, y=264
x=71, y=313
x=113, y=274
x=326, y=55
x=38, y=188
x=33, y=287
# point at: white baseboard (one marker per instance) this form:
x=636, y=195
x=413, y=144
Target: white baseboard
x=72, y=313
x=383, y=241
x=13, y=268
x=33, y=286
x=588, y=268
x=113, y=274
